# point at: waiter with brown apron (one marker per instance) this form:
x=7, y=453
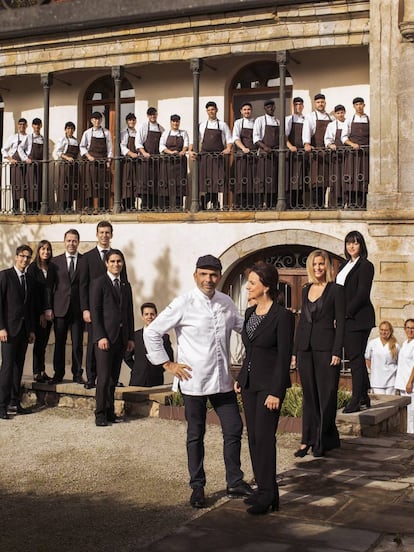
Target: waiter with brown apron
x=296, y=156
x=245, y=158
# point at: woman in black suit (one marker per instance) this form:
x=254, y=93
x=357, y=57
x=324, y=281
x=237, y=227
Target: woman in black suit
x=268, y=337
x=356, y=276
x=43, y=273
x=317, y=353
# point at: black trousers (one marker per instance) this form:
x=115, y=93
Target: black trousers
x=226, y=407
x=13, y=353
x=108, y=367
x=61, y=327
x=90, y=356
x=261, y=430
x=320, y=388
x=39, y=347
x=355, y=344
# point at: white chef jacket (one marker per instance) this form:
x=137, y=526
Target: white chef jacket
x=383, y=366
x=294, y=118
x=330, y=133
x=101, y=132
x=125, y=134
x=142, y=133
x=25, y=147
x=62, y=146
x=356, y=119
x=309, y=128
x=179, y=132
x=203, y=328
x=405, y=364
x=239, y=124
x=216, y=124
x=10, y=146
x=260, y=124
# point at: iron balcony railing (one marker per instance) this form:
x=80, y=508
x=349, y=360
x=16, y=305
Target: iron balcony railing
x=321, y=179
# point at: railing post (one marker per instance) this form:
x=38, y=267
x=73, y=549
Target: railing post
x=196, y=65
x=281, y=190
x=47, y=80
x=117, y=75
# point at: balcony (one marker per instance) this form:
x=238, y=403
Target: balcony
x=320, y=180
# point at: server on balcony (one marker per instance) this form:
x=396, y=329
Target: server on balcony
x=129, y=171
x=313, y=140
x=266, y=139
x=333, y=141
x=31, y=152
x=10, y=153
x=356, y=135
x=296, y=157
x=68, y=173
x=174, y=145
x=96, y=148
x=216, y=145
x=245, y=158
x=147, y=143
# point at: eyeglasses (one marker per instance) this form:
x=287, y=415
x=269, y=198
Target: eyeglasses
x=24, y=256
x=409, y=328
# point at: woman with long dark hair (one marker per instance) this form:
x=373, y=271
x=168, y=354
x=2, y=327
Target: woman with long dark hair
x=356, y=275
x=317, y=353
x=263, y=379
x=43, y=273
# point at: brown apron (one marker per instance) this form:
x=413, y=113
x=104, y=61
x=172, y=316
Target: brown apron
x=97, y=175
x=129, y=171
x=336, y=167
x=267, y=165
x=69, y=177
x=211, y=167
x=34, y=175
x=357, y=167
x=296, y=160
x=17, y=174
x=148, y=168
x=245, y=169
x=173, y=178
x=319, y=166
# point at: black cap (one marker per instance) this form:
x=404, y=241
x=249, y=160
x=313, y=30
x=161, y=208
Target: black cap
x=36, y=121
x=96, y=115
x=339, y=107
x=22, y=120
x=130, y=117
x=209, y=261
x=175, y=117
x=298, y=99
x=269, y=102
x=69, y=124
x=319, y=96
x=358, y=99
x=152, y=111
x=211, y=104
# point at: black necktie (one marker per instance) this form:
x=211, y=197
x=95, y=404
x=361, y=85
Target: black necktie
x=117, y=288
x=71, y=266
x=104, y=252
x=23, y=284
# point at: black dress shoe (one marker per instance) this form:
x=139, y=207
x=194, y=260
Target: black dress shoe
x=350, y=408
x=302, y=452
x=114, y=419
x=101, y=422
x=21, y=410
x=89, y=385
x=366, y=402
x=4, y=415
x=54, y=380
x=197, y=499
x=259, y=509
x=78, y=379
x=241, y=490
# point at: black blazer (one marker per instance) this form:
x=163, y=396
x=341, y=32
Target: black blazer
x=92, y=267
x=144, y=373
x=67, y=290
x=45, y=287
x=109, y=316
x=266, y=366
x=359, y=311
x=16, y=310
x=326, y=331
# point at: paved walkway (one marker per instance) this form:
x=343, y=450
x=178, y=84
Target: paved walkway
x=360, y=498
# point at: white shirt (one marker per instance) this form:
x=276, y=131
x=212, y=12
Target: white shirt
x=405, y=364
x=11, y=145
x=260, y=125
x=216, y=124
x=330, y=133
x=343, y=273
x=239, y=124
x=62, y=146
x=179, y=132
x=356, y=119
x=142, y=133
x=100, y=132
x=309, y=128
x=383, y=366
x=203, y=327
x=294, y=118
x=25, y=147
x=125, y=134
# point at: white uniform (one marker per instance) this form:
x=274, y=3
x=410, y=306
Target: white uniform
x=124, y=137
x=62, y=146
x=383, y=366
x=260, y=126
x=216, y=124
x=330, y=133
x=10, y=146
x=179, y=132
x=405, y=367
x=101, y=132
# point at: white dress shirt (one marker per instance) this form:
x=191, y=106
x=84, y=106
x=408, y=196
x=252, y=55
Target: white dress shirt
x=343, y=273
x=166, y=133
x=348, y=122
x=10, y=146
x=100, y=132
x=239, y=124
x=309, y=127
x=142, y=133
x=25, y=147
x=294, y=118
x=125, y=134
x=330, y=133
x=260, y=125
x=203, y=327
x=383, y=366
x=62, y=146
x=216, y=124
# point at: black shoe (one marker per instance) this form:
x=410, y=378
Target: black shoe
x=89, y=385
x=252, y=499
x=350, y=408
x=21, y=410
x=4, y=415
x=241, y=490
x=318, y=453
x=302, y=452
x=259, y=509
x=12, y=409
x=78, y=379
x=55, y=380
x=366, y=402
x=113, y=418
x=197, y=499
x=101, y=422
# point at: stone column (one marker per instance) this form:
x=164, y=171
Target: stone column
x=47, y=80
x=281, y=191
x=117, y=75
x=196, y=66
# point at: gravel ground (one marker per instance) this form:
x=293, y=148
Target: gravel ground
x=66, y=485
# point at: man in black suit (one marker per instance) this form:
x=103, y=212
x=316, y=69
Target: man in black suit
x=112, y=332
x=143, y=373
x=16, y=329
x=66, y=307
x=93, y=266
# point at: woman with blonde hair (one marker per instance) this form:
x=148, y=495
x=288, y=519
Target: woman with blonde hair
x=381, y=356
x=317, y=353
